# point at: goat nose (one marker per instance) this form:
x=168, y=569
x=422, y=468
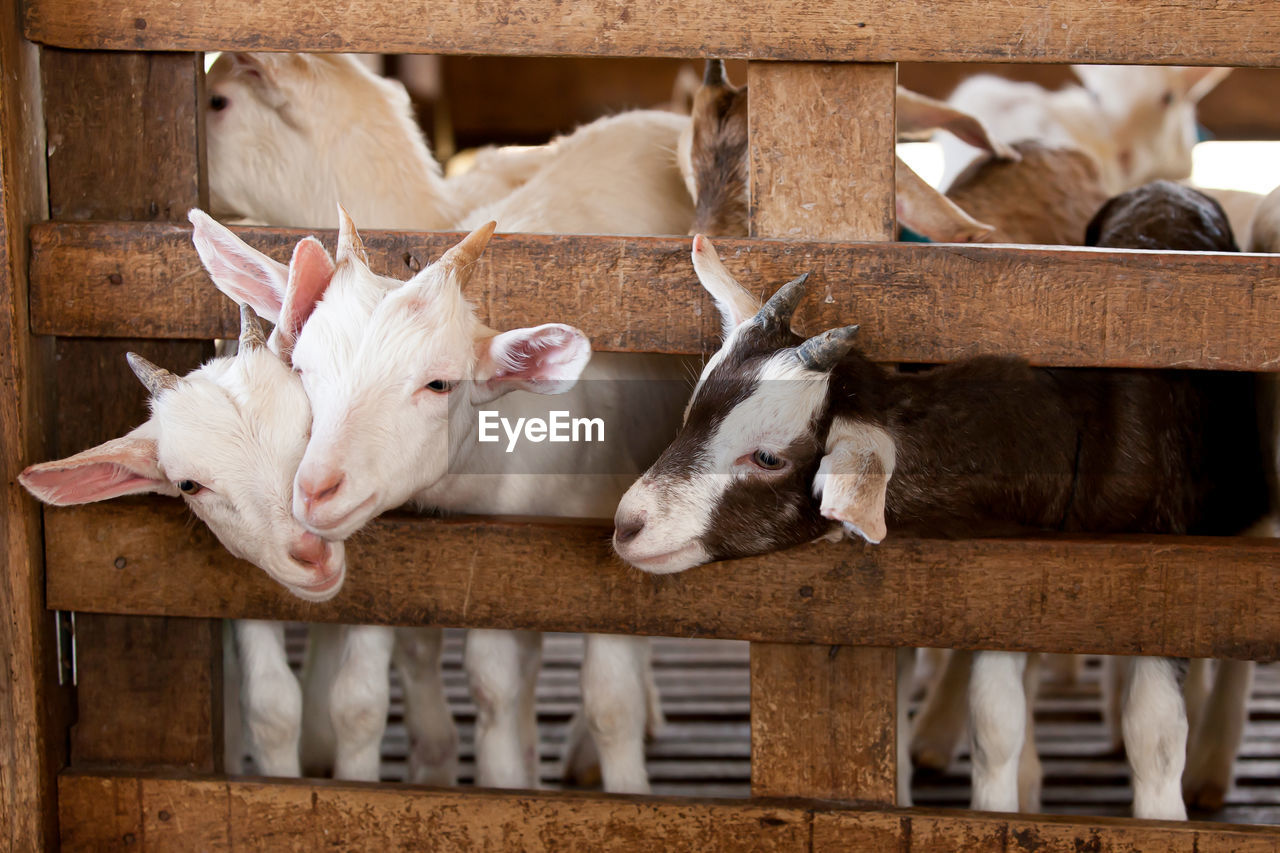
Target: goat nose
x=626, y=529
x=321, y=489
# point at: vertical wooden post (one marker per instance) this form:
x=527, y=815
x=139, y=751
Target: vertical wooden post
x=126, y=141
x=33, y=711
x=823, y=720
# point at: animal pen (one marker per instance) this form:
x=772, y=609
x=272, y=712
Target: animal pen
x=102, y=157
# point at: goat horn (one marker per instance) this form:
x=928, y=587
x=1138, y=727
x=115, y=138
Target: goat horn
x=251, y=336
x=461, y=259
x=350, y=246
x=155, y=379
x=778, y=310
x=713, y=74
x=822, y=352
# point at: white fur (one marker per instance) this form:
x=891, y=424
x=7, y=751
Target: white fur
x=1155, y=739
x=1119, y=116
x=997, y=709
x=1264, y=230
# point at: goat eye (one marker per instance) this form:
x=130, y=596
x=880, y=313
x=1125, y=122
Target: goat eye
x=218, y=103
x=190, y=487
x=440, y=386
x=768, y=461
x=1166, y=99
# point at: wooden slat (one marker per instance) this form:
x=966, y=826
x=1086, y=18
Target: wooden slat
x=33, y=710
x=823, y=720
x=188, y=814
x=126, y=142
x=1194, y=31
x=1198, y=597
x=925, y=831
x=136, y=671
x=1071, y=307
x=250, y=815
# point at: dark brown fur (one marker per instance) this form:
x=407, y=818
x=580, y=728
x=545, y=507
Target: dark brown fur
x=1162, y=215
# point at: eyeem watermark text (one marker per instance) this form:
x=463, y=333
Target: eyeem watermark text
x=557, y=428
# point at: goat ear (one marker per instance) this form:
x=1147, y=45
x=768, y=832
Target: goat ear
x=930, y=213
x=853, y=478
x=546, y=359
x=239, y=270
x=736, y=305
x=310, y=271
x=918, y=114
x=1201, y=81
x=122, y=466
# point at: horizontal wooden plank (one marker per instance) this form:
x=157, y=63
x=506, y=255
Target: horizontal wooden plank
x=1199, y=597
x=101, y=812
x=1069, y=307
x=1192, y=31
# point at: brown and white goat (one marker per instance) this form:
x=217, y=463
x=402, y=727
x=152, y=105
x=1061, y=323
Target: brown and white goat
x=786, y=439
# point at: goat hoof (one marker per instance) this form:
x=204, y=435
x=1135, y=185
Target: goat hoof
x=929, y=759
x=1208, y=797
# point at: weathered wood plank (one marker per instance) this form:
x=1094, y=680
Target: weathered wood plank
x=1199, y=597
x=1195, y=31
x=136, y=671
x=159, y=813
x=805, y=152
x=33, y=710
x=125, y=142
x=296, y=815
x=1070, y=307
x=823, y=720
x=927, y=831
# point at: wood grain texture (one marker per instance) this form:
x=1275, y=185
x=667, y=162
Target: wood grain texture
x=33, y=710
x=1193, y=31
x=821, y=151
x=929, y=831
x=174, y=814
x=148, y=692
x=155, y=813
x=125, y=142
x=822, y=720
x=1197, y=597
x=1070, y=307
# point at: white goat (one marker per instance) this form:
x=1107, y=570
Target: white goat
x=616, y=175
x=1138, y=122
x=226, y=437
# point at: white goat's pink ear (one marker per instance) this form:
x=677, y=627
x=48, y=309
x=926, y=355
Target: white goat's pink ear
x=310, y=271
x=853, y=478
x=735, y=304
x=547, y=359
x=239, y=270
x=122, y=466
